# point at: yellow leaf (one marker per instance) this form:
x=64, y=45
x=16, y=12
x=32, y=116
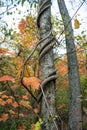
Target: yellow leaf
x=76, y=24
x=11, y=112
x=1, y=38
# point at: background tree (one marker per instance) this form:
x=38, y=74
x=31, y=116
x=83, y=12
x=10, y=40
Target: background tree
x=75, y=112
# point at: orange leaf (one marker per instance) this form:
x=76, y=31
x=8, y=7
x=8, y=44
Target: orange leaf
x=15, y=105
x=4, y=117
x=21, y=115
x=22, y=26
x=4, y=96
x=33, y=81
x=3, y=92
x=33, y=127
x=25, y=97
x=2, y=102
x=26, y=104
x=36, y=110
x=21, y=127
x=9, y=101
x=7, y=78
x=61, y=107
x=14, y=86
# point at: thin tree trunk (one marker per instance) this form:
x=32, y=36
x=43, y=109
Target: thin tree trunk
x=47, y=69
x=75, y=112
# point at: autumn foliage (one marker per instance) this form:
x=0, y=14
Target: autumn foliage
x=15, y=101
x=7, y=78
x=29, y=32
x=22, y=26
x=32, y=81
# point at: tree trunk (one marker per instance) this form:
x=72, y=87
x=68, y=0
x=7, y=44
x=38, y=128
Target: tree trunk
x=47, y=69
x=75, y=112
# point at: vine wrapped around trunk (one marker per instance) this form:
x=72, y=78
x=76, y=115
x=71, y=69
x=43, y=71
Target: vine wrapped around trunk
x=47, y=69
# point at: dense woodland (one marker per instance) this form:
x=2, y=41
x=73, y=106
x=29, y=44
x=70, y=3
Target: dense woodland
x=40, y=87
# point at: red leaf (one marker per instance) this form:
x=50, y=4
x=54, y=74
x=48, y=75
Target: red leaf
x=7, y=78
x=33, y=81
x=4, y=51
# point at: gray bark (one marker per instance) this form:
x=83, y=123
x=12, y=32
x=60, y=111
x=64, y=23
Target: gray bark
x=75, y=112
x=47, y=65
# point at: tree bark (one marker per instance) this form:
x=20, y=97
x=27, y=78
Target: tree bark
x=75, y=112
x=47, y=69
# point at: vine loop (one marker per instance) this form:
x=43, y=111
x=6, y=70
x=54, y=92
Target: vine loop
x=48, y=44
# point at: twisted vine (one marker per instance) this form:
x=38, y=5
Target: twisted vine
x=48, y=45
x=49, y=42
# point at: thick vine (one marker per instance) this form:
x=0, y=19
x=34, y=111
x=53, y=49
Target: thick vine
x=49, y=42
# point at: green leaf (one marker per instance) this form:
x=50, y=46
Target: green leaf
x=31, y=5
x=11, y=37
x=10, y=13
x=38, y=124
x=34, y=5
x=19, y=2
x=7, y=13
x=15, y=5
x=84, y=44
x=12, y=1
x=23, y=2
x=1, y=3
x=49, y=118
